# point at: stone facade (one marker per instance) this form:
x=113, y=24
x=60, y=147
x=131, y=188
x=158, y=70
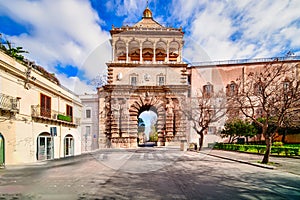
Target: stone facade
x=146, y=73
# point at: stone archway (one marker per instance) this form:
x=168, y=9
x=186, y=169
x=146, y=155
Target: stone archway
x=150, y=103
x=122, y=105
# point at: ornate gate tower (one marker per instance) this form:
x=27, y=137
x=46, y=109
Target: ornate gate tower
x=146, y=73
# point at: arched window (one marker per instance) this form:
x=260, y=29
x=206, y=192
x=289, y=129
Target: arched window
x=45, y=147
x=208, y=90
x=134, y=50
x=147, y=51
x=173, y=51
x=231, y=89
x=160, y=51
x=69, y=145
x=258, y=88
x=120, y=50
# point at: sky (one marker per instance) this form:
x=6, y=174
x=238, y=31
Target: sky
x=71, y=37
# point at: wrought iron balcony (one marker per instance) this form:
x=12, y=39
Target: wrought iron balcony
x=48, y=114
x=9, y=103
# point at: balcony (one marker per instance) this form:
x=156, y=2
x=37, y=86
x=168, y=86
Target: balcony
x=9, y=103
x=41, y=113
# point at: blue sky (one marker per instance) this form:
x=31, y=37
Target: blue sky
x=71, y=37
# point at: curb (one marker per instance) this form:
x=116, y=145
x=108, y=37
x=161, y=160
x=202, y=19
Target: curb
x=241, y=161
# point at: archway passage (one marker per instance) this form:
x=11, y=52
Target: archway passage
x=122, y=107
x=147, y=127
x=154, y=104
x=2, y=151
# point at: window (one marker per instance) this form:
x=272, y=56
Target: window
x=87, y=113
x=212, y=130
x=286, y=86
x=161, y=80
x=70, y=112
x=231, y=89
x=133, y=80
x=45, y=106
x=208, y=90
x=258, y=87
x=259, y=112
x=69, y=145
x=87, y=130
x=45, y=147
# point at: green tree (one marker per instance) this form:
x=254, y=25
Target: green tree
x=238, y=128
x=141, y=125
x=13, y=52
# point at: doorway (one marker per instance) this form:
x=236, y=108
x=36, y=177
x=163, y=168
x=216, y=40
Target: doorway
x=2, y=151
x=69, y=145
x=45, y=147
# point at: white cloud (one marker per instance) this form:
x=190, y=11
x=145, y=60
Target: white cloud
x=238, y=29
x=62, y=32
x=75, y=84
x=70, y=33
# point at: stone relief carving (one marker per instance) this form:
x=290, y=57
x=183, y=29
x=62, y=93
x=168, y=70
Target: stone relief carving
x=170, y=106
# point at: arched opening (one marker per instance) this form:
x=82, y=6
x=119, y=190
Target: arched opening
x=147, y=126
x=147, y=51
x=134, y=51
x=45, y=147
x=174, y=50
x=69, y=145
x=161, y=49
x=120, y=50
x=2, y=150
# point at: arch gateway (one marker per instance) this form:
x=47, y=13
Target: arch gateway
x=146, y=73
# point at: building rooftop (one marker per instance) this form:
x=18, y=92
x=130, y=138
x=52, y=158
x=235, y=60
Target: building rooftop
x=243, y=61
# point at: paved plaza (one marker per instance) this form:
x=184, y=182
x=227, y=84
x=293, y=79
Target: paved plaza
x=151, y=173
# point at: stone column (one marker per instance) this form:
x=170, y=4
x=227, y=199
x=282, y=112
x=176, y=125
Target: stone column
x=141, y=52
x=180, y=53
x=127, y=57
x=168, y=46
x=154, y=53
x=113, y=51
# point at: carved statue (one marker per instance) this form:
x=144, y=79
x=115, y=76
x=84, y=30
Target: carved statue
x=170, y=106
x=115, y=108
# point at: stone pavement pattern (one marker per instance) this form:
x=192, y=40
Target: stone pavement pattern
x=147, y=173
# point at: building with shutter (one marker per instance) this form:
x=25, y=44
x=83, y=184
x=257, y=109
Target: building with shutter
x=39, y=119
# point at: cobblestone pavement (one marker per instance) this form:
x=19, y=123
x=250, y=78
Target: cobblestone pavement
x=147, y=173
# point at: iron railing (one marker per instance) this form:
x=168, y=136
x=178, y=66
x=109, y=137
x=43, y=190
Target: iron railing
x=9, y=103
x=41, y=112
x=244, y=61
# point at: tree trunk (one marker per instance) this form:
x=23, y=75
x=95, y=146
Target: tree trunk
x=201, y=138
x=230, y=137
x=283, y=136
x=266, y=157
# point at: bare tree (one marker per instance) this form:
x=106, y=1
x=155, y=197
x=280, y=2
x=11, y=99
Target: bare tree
x=268, y=95
x=99, y=81
x=204, y=110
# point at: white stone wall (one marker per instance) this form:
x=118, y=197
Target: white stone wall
x=147, y=75
x=89, y=141
x=20, y=131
